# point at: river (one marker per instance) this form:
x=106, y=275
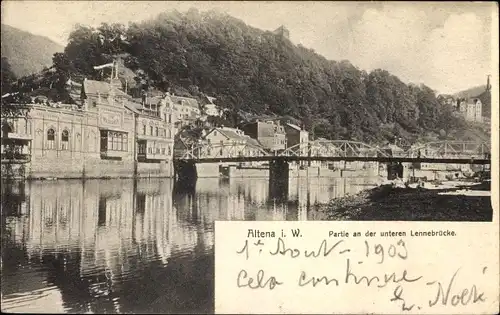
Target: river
x=125, y=246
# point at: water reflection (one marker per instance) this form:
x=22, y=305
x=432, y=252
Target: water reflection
x=132, y=246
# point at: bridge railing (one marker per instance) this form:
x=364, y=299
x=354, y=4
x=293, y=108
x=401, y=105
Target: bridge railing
x=451, y=149
x=225, y=150
x=342, y=148
x=325, y=148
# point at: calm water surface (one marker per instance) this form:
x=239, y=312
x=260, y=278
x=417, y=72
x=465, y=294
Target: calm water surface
x=125, y=246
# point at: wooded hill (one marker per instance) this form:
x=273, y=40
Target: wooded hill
x=25, y=52
x=259, y=72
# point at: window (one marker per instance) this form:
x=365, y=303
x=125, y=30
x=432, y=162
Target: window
x=51, y=139
x=169, y=151
x=163, y=151
x=157, y=150
x=143, y=129
x=169, y=118
x=142, y=147
x=151, y=130
x=156, y=132
x=114, y=141
x=65, y=140
x=149, y=150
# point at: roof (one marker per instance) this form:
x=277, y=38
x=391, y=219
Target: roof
x=233, y=134
x=92, y=87
x=293, y=126
x=191, y=102
x=473, y=101
x=230, y=133
x=253, y=141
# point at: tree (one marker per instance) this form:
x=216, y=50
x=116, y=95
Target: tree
x=8, y=77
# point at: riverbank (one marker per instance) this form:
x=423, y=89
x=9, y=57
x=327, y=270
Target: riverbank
x=458, y=202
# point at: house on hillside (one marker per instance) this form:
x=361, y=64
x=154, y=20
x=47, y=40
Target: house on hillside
x=186, y=109
x=210, y=108
x=297, y=139
x=282, y=31
x=471, y=109
x=271, y=134
x=229, y=142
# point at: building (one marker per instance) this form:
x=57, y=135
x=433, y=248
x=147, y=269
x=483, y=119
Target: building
x=210, y=108
x=229, y=142
x=471, y=109
x=155, y=129
x=282, y=31
x=270, y=134
x=296, y=136
x=102, y=135
x=186, y=109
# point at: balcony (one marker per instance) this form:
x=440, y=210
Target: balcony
x=15, y=158
x=113, y=155
x=145, y=157
x=19, y=136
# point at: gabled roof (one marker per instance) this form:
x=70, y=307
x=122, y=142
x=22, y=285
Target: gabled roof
x=473, y=101
x=92, y=87
x=234, y=135
x=228, y=133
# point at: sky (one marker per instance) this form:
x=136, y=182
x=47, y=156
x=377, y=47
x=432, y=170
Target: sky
x=445, y=45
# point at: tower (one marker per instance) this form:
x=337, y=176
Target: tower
x=114, y=79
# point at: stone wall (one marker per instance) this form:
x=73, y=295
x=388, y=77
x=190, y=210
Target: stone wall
x=162, y=169
x=207, y=170
x=95, y=168
x=250, y=172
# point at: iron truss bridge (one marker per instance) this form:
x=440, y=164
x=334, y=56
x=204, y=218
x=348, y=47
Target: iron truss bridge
x=450, y=152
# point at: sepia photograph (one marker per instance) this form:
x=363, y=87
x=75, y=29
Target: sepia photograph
x=129, y=127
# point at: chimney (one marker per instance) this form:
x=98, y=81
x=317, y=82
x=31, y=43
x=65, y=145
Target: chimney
x=488, y=86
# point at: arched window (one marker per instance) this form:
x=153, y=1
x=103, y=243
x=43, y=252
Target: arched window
x=51, y=139
x=6, y=129
x=65, y=140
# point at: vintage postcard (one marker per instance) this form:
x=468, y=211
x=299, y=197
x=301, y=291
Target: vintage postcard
x=264, y=157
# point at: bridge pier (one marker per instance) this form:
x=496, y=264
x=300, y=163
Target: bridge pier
x=395, y=170
x=185, y=174
x=278, y=178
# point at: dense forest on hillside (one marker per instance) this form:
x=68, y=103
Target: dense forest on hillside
x=255, y=71
x=25, y=52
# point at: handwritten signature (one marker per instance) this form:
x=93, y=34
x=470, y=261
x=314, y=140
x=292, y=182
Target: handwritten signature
x=462, y=296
